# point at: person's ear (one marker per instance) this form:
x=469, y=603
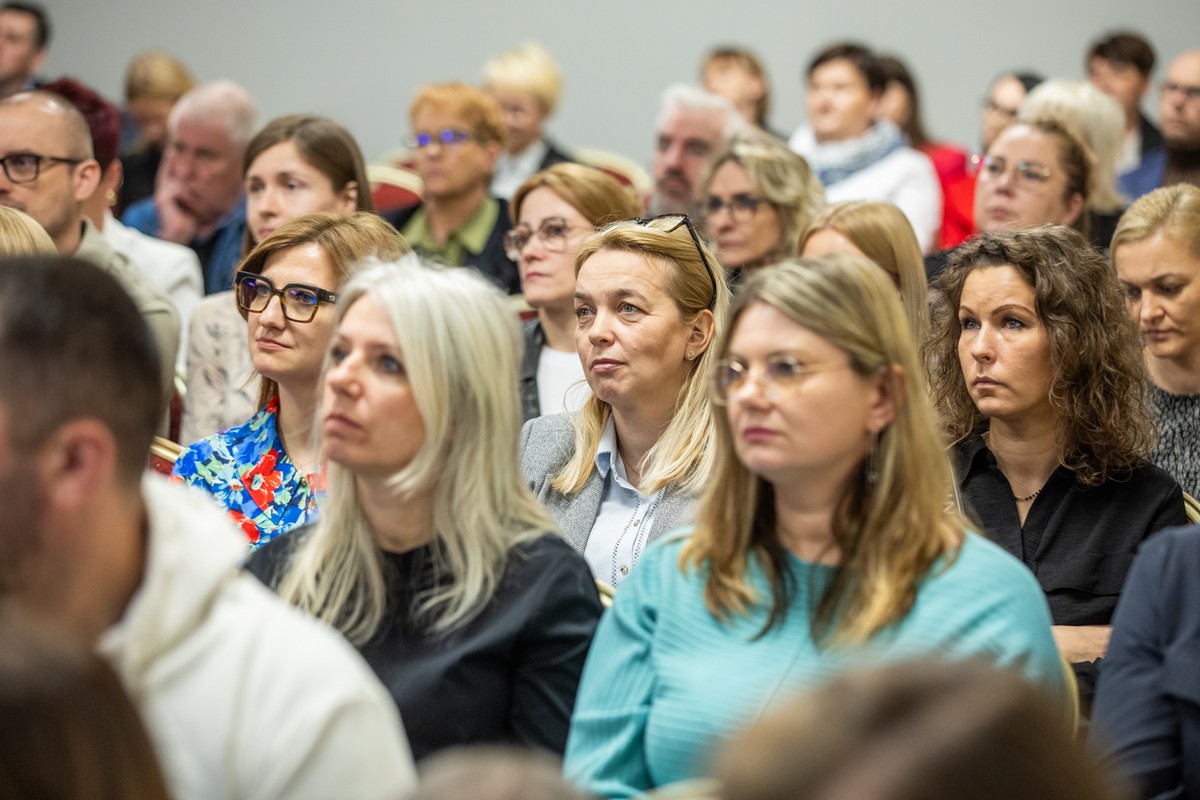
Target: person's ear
x=349, y=198
x=888, y=397
x=1075, y=207
x=76, y=462
x=701, y=334
x=86, y=178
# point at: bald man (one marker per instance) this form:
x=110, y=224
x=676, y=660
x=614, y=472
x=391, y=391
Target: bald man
x=49, y=173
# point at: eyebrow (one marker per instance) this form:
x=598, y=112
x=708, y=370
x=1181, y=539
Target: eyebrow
x=614, y=294
x=999, y=309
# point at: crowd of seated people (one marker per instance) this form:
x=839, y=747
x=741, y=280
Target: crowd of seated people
x=774, y=470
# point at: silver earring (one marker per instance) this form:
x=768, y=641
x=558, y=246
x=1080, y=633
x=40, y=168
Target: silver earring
x=873, y=459
x=691, y=356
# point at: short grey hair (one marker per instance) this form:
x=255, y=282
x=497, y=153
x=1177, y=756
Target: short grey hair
x=685, y=95
x=221, y=101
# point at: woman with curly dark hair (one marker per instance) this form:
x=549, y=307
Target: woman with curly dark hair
x=1036, y=372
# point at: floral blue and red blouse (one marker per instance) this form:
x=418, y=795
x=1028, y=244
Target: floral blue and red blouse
x=248, y=472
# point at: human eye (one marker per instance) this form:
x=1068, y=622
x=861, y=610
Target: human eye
x=664, y=143
x=582, y=312
x=746, y=202
x=730, y=374
x=697, y=149
x=968, y=323
x=1170, y=289
x=303, y=295
x=1012, y=323
x=390, y=365
x=712, y=205
x=1131, y=292
x=1033, y=172
x=554, y=229
x=994, y=166
x=23, y=161
x=627, y=308
x=254, y=186
x=785, y=370
x=337, y=354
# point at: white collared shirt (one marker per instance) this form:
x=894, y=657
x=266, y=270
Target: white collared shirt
x=626, y=516
x=512, y=171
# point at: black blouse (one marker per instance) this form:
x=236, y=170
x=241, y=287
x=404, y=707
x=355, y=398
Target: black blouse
x=508, y=675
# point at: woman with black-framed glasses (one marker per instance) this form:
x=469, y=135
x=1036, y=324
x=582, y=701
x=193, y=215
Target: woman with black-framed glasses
x=553, y=212
x=628, y=467
x=268, y=471
x=757, y=198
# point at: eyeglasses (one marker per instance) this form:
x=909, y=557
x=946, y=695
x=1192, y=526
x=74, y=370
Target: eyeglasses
x=741, y=207
x=992, y=107
x=672, y=223
x=298, y=300
x=553, y=233
x=1029, y=175
x=448, y=137
x=1190, y=93
x=779, y=377
x=25, y=167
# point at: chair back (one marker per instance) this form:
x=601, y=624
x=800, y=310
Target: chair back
x=163, y=454
x=1192, y=507
x=624, y=169
x=394, y=186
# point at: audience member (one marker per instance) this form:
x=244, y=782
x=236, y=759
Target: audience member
x=1037, y=374
x=629, y=466
x=1095, y=119
x=901, y=104
x=198, y=197
x=1002, y=102
x=757, y=198
x=24, y=40
x=554, y=212
x=1145, y=720
x=526, y=84
x=67, y=728
x=880, y=232
x=921, y=730
x=20, y=235
x=858, y=154
x=692, y=125
x=154, y=83
x=171, y=268
x=458, y=133
x=1156, y=252
x=49, y=173
x=145, y=571
x=1121, y=64
x=296, y=165
x=267, y=471
x=1179, y=116
x=494, y=773
x=459, y=592
x=823, y=541
x=736, y=74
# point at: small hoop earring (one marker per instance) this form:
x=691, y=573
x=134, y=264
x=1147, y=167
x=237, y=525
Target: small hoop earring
x=110, y=197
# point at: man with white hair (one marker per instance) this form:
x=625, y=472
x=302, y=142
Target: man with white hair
x=198, y=200
x=691, y=126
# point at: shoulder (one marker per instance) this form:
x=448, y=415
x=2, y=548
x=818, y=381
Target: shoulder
x=209, y=458
x=980, y=572
x=548, y=439
x=142, y=216
x=910, y=164
x=269, y=563
x=399, y=217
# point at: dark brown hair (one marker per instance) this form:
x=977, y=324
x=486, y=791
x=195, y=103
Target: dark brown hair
x=1125, y=47
x=863, y=59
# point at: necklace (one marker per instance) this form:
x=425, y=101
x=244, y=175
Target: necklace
x=1028, y=497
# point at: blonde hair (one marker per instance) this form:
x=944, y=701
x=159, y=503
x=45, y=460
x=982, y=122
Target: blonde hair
x=682, y=456
x=157, y=75
x=1097, y=120
x=478, y=110
x=595, y=194
x=881, y=231
x=20, y=235
x=724, y=59
x=890, y=534
x=782, y=177
x=529, y=69
x=1174, y=210
x=347, y=240
x=461, y=347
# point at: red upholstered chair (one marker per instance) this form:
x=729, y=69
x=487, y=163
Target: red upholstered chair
x=393, y=186
x=163, y=453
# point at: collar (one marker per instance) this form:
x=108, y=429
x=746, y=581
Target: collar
x=525, y=162
x=608, y=457
x=836, y=161
x=472, y=236
x=235, y=216
x=972, y=455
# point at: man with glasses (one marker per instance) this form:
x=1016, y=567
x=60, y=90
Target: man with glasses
x=457, y=135
x=24, y=38
x=1179, y=118
x=49, y=173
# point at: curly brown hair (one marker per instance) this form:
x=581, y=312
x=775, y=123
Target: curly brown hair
x=1098, y=386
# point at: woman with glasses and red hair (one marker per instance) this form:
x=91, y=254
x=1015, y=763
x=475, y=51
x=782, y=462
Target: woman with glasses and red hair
x=553, y=212
x=268, y=471
x=628, y=467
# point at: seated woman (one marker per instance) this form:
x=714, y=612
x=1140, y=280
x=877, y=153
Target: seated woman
x=629, y=466
x=757, y=197
x=553, y=212
x=474, y=614
x=1156, y=251
x=267, y=471
x=823, y=541
x=880, y=231
x=1037, y=374
x=296, y=165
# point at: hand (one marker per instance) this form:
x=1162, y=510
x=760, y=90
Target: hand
x=1082, y=642
x=177, y=223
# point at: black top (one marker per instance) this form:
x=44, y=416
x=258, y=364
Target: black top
x=535, y=340
x=508, y=675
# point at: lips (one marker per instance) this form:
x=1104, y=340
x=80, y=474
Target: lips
x=984, y=382
x=758, y=434
x=264, y=232
x=335, y=423
x=605, y=366
x=270, y=344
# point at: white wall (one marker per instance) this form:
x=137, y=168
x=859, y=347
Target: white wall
x=360, y=61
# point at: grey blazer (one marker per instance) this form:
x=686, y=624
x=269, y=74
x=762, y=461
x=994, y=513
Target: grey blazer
x=547, y=443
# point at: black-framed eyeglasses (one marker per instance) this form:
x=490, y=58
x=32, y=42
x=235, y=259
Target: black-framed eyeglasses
x=1190, y=93
x=298, y=300
x=1027, y=174
x=447, y=136
x=683, y=220
x=741, y=207
x=778, y=377
x=553, y=232
x=26, y=167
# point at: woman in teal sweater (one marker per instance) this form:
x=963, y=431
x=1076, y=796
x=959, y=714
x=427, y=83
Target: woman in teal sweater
x=823, y=542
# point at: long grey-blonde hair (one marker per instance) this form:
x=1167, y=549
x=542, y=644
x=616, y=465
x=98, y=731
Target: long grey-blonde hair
x=461, y=346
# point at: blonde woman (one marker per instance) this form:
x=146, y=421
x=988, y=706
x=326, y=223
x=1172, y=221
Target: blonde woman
x=20, y=235
x=823, y=541
x=629, y=466
x=880, y=231
x=473, y=612
x=758, y=197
